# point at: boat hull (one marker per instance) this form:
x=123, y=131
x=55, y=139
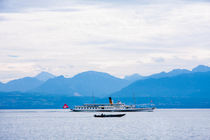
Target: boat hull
x=115, y=110
x=109, y=115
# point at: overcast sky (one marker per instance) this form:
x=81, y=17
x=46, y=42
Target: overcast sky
x=65, y=37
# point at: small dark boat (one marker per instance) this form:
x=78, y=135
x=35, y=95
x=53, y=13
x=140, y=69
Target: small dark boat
x=109, y=115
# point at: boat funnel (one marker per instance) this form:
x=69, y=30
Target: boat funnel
x=110, y=100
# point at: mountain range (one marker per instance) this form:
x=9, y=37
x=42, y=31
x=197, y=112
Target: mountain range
x=89, y=83
x=22, y=85
x=185, y=85
x=174, y=72
x=179, y=88
x=92, y=83
x=25, y=84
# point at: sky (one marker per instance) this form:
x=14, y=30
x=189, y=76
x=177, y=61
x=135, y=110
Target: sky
x=121, y=37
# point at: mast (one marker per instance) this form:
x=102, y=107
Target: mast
x=93, y=98
x=134, y=99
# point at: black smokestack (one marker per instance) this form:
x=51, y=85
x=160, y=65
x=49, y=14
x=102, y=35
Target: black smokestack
x=110, y=100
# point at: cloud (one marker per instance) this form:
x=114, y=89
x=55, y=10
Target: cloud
x=13, y=56
x=159, y=59
x=118, y=37
x=2, y=19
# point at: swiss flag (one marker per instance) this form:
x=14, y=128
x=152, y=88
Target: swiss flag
x=65, y=106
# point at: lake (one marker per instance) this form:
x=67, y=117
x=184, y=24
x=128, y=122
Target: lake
x=167, y=124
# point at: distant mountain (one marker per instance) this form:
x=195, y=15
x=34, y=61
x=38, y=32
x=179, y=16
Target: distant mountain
x=133, y=77
x=26, y=83
x=23, y=84
x=97, y=83
x=1, y=85
x=185, y=85
x=44, y=76
x=201, y=68
x=174, y=72
x=59, y=85
x=85, y=84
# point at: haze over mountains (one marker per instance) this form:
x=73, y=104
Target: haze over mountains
x=44, y=76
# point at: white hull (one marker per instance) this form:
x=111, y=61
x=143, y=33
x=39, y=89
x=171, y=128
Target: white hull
x=115, y=110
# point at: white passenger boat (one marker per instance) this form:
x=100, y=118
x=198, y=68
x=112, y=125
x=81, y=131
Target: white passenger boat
x=111, y=107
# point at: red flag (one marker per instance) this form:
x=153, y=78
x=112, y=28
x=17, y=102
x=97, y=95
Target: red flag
x=65, y=106
x=151, y=101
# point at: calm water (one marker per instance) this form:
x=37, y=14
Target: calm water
x=174, y=124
